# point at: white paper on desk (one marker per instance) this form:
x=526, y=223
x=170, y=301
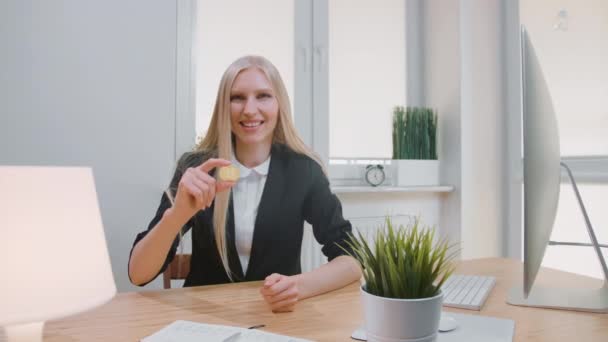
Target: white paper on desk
x=187, y=331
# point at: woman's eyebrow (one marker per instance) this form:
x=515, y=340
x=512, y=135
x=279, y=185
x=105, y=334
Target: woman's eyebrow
x=260, y=90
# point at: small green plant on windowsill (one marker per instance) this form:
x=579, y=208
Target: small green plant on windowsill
x=403, y=262
x=414, y=133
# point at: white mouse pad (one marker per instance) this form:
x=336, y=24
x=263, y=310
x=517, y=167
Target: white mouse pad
x=471, y=328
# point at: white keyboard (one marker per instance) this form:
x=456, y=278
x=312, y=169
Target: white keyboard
x=467, y=291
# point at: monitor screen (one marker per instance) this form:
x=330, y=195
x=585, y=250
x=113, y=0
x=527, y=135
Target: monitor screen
x=541, y=159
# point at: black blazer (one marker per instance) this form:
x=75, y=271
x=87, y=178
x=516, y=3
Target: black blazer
x=296, y=190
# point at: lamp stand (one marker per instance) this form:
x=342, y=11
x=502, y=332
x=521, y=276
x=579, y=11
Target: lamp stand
x=29, y=332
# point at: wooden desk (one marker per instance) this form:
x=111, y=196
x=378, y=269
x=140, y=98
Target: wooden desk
x=330, y=317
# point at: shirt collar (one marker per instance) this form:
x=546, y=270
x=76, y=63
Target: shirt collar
x=244, y=171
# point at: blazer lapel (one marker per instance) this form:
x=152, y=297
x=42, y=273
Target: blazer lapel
x=270, y=201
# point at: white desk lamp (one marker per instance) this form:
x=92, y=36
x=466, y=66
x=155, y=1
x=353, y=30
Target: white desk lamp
x=53, y=256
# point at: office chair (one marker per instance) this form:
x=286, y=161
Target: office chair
x=180, y=266
x=177, y=269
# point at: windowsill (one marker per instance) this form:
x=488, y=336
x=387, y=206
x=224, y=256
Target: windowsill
x=377, y=189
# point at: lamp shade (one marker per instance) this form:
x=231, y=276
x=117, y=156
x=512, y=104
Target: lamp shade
x=53, y=256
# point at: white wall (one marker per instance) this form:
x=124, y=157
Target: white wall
x=93, y=83
x=367, y=213
x=483, y=133
x=363, y=216
x=513, y=232
x=462, y=79
x=441, y=90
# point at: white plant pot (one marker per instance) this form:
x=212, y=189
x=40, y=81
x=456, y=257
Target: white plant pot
x=414, y=172
x=401, y=320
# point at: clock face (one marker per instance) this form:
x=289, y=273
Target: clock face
x=374, y=175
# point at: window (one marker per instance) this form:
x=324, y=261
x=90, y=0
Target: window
x=220, y=41
x=366, y=75
x=570, y=43
x=570, y=227
x=343, y=78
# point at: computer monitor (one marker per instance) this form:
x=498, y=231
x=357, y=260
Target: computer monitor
x=542, y=178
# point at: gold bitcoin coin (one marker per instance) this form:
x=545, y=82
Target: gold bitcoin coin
x=228, y=173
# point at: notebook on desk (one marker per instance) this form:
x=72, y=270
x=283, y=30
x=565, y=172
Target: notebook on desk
x=187, y=331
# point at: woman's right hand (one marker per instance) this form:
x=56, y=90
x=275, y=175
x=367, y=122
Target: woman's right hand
x=196, y=189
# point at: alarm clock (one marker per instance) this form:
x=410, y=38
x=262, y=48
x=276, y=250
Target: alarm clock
x=374, y=175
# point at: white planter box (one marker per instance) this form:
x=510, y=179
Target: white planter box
x=411, y=172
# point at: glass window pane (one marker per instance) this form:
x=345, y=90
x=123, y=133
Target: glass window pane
x=570, y=227
x=570, y=40
x=366, y=75
x=229, y=29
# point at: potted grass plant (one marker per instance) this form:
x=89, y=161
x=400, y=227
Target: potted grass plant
x=404, y=269
x=415, y=146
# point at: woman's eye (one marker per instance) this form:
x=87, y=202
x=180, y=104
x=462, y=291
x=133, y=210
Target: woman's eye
x=236, y=98
x=264, y=95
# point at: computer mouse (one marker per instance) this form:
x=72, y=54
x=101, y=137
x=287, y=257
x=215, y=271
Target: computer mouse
x=447, y=323
x=359, y=334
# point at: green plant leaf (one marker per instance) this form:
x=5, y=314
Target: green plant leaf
x=403, y=262
x=414, y=133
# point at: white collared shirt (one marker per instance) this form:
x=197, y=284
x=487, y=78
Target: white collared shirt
x=246, y=195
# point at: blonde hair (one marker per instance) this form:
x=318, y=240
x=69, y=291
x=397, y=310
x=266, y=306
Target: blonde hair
x=219, y=135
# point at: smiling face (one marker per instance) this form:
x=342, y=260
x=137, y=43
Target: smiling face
x=254, y=109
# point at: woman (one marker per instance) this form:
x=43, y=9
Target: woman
x=281, y=185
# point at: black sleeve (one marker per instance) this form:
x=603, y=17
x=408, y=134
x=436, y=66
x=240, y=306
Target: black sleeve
x=323, y=211
x=165, y=204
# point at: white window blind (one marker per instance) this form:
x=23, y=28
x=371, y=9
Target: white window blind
x=366, y=75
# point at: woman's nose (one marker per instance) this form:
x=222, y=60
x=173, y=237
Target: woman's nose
x=250, y=106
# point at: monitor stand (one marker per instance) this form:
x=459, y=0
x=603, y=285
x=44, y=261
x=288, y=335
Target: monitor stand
x=588, y=300
x=591, y=300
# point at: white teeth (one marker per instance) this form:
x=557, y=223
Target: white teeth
x=251, y=124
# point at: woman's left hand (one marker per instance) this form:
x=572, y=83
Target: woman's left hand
x=280, y=292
